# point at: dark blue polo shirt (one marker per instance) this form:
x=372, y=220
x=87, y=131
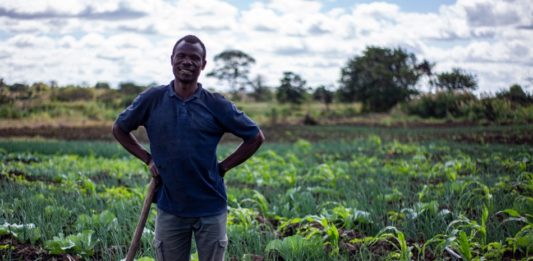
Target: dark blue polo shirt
x=183, y=140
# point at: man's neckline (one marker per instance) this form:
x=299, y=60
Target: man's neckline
x=172, y=92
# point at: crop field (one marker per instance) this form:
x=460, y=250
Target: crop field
x=366, y=198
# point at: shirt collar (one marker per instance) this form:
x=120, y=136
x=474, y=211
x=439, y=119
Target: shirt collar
x=196, y=94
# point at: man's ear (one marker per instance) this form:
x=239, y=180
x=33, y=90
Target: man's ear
x=170, y=59
x=203, y=66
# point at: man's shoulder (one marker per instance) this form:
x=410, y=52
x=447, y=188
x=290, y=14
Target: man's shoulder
x=215, y=97
x=153, y=93
x=155, y=90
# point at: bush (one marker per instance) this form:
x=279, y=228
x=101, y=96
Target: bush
x=10, y=112
x=113, y=99
x=440, y=105
x=69, y=94
x=467, y=106
x=516, y=95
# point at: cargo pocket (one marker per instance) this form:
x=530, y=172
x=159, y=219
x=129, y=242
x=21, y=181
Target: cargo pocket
x=158, y=245
x=221, y=248
x=223, y=243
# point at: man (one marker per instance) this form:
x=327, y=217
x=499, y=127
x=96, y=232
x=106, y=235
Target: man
x=184, y=123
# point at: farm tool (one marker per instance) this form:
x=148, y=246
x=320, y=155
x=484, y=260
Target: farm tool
x=142, y=220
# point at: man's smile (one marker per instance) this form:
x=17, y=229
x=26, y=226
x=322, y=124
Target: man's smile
x=187, y=71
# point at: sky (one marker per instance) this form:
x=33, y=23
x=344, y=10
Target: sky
x=84, y=42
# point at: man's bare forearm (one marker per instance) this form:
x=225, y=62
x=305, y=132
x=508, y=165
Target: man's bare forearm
x=130, y=143
x=243, y=152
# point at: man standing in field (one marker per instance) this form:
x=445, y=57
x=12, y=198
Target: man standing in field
x=185, y=123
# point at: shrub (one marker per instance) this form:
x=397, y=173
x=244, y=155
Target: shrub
x=467, y=106
x=72, y=93
x=440, y=105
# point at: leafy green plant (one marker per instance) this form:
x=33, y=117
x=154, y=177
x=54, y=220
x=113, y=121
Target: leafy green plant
x=106, y=221
x=242, y=216
x=82, y=244
x=523, y=240
x=464, y=246
x=397, y=239
x=259, y=201
x=348, y=218
x=23, y=232
x=294, y=248
x=444, y=198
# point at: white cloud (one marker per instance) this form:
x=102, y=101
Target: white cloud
x=116, y=41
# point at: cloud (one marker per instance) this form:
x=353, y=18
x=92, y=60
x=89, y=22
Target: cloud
x=291, y=50
x=24, y=41
x=525, y=27
x=486, y=14
x=149, y=29
x=118, y=40
x=4, y=55
x=122, y=12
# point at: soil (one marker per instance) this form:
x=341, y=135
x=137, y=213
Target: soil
x=24, y=251
x=289, y=133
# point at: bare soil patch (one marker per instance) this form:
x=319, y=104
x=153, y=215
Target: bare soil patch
x=415, y=131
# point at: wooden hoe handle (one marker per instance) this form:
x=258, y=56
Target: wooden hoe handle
x=142, y=221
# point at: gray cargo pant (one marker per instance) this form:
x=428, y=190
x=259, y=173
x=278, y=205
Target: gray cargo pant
x=173, y=236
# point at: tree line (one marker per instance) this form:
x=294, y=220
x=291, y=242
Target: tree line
x=379, y=79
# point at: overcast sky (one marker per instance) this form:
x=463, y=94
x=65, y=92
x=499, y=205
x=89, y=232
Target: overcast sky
x=78, y=41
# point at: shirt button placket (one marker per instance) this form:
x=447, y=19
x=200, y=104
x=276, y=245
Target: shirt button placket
x=183, y=111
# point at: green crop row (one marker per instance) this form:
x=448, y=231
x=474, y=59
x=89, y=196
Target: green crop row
x=365, y=199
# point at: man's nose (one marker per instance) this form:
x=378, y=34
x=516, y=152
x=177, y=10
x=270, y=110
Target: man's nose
x=187, y=61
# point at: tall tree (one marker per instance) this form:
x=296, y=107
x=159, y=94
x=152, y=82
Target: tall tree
x=456, y=80
x=233, y=67
x=260, y=92
x=292, y=89
x=516, y=95
x=130, y=88
x=324, y=95
x=381, y=78
x=102, y=85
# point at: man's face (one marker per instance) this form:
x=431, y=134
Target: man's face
x=187, y=62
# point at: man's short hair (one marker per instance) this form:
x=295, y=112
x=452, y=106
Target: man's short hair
x=192, y=39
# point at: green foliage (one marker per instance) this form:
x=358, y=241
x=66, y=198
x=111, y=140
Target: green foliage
x=23, y=232
x=294, y=248
x=456, y=80
x=105, y=221
x=72, y=93
x=464, y=105
x=440, y=105
x=464, y=246
x=324, y=95
x=348, y=218
x=516, y=95
x=102, y=85
x=334, y=200
x=130, y=88
x=233, y=67
x=261, y=92
x=380, y=78
x=81, y=243
x=292, y=89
